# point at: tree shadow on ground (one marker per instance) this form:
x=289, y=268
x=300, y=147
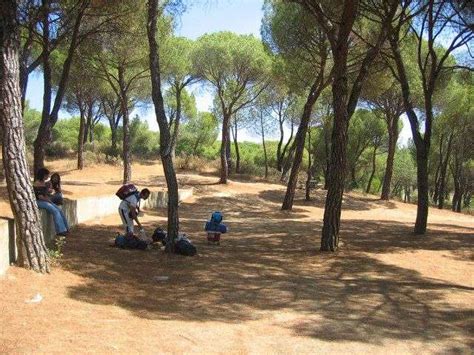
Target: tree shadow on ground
x=318, y=199
x=270, y=263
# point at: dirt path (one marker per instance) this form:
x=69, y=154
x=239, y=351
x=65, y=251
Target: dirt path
x=266, y=289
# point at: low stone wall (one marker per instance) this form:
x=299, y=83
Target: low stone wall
x=76, y=211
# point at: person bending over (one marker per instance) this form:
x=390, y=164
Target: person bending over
x=130, y=207
x=44, y=202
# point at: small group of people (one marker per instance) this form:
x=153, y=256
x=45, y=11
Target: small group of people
x=49, y=197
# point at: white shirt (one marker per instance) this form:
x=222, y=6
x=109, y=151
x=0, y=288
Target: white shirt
x=129, y=202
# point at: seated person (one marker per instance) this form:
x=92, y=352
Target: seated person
x=43, y=201
x=129, y=208
x=54, y=184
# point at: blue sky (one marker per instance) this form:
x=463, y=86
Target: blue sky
x=203, y=16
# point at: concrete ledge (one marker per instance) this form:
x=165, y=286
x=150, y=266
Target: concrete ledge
x=5, y=247
x=76, y=211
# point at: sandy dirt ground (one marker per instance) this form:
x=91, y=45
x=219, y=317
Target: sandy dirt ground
x=266, y=289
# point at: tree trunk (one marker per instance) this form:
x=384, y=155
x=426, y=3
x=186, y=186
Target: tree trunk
x=288, y=162
x=299, y=144
x=228, y=152
x=422, y=185
x=280, y=142
x=114, y=139
x=49, y=118
x=174, y=137
x=234, y=130
x=224, y=144
x=442, y=177
x=374, y=155
x=88, y=123
x=392, y=146
x=309, y=174
x=127, y=156
x=44, y=130
x=288, y=143
x=337, y=167
x=165, y=139
x=32, y=252
x=263, y=144
x=80, y=144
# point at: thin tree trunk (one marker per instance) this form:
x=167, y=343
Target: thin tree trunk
x=80, y=145
x=374, y=155
x=224, y=144
x=44, y=130
x=442, y=177
x=280, y=142
x=422, y=185
x=392, y=146
x=165, y=144
x=32, y=252
x=299, y=143
x=287, y=160
x=234, y=130
x=309, y=171
x=228, y=152
x=127, y=156
x=174, y=137
x=263, y=144
x=49, y=118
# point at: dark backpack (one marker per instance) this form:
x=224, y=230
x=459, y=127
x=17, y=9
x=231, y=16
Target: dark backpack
x=130, y=243
x=184, y=247
x=126, y=191
x=159, y=235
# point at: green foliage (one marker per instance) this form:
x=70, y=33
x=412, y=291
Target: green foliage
x=234, y=64
x=56, y=253
x=404, y=171
x=31, y=121
x=198, y=134
x=145, y=143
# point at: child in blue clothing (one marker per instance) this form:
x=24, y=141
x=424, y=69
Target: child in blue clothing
x=215, y=228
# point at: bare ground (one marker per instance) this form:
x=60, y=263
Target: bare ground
x=266, y=289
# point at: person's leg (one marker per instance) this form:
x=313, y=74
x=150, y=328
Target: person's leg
x=127, y=221
x=60, y=223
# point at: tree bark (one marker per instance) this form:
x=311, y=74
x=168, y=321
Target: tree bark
x=442, y=177
x=392, y=124
x=374, y=155
x=288, y=161
x=165, y=139
x=174, y=137
x=288, y=143
x=280, y=142
x=127, y=156
x=300, y=142
x=234, y=130
x=80, y=144
x=263, y=144
x=32, y=252
x=224, y=144
x=309, y=171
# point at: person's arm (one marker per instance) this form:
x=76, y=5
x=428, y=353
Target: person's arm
x=134, y=215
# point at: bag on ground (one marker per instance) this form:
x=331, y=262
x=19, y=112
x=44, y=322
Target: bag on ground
x=126, y=242
x=183, y=246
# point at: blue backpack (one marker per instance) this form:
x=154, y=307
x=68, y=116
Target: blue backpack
x=216, y=217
